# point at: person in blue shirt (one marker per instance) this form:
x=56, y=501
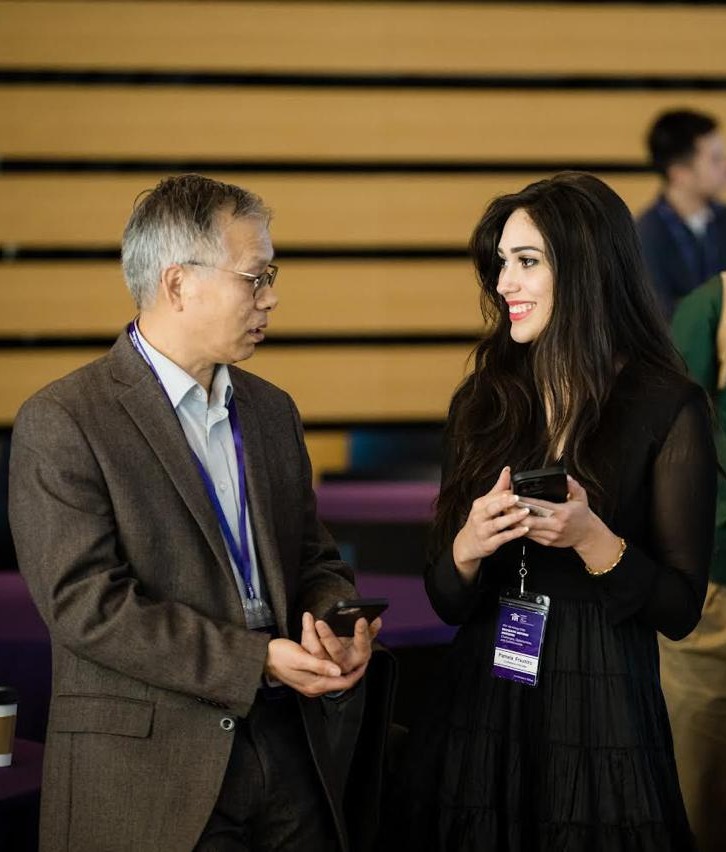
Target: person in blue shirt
x=683, y=233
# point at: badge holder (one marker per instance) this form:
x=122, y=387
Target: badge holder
x=520, y=632
x=258, y=614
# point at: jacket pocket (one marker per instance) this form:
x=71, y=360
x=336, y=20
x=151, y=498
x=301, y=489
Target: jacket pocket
x=102, y=714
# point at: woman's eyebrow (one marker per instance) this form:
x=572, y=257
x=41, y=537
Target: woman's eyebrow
x=500, y=250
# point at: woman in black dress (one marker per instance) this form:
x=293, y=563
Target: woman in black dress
x=576, y=368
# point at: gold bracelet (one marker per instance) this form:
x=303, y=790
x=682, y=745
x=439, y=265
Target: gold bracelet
x=623, y=548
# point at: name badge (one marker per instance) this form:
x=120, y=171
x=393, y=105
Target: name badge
x=519, y=637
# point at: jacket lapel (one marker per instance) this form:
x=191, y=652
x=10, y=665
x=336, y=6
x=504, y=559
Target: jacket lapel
x=259, y=499
x=148, y=406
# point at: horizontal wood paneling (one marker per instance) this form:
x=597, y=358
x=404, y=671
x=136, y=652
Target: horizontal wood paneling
x=262, y=124
x=63, y=299
x=329, y=125
x=328, y=297
x=90, y=210
x=26, y=372
x=329, y=451
x=22, y=372
x=444, y=38
x=330, y=383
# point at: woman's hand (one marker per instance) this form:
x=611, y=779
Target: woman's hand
x=567, y=524
x=574, y=524
x=494, y=519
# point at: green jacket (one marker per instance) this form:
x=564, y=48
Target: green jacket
x=694, y=328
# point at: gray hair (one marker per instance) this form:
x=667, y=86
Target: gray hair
x=175, y=222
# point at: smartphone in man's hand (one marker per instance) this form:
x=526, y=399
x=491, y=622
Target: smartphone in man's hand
x=342, y=616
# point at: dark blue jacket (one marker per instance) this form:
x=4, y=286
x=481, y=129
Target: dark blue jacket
x=676, y=259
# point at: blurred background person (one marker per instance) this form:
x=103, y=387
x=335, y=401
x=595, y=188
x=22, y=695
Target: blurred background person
x=684, y=232
x=693, y=671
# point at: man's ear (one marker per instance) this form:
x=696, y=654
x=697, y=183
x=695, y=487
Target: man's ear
x=171, y=286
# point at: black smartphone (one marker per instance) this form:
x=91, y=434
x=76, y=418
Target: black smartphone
x=547, y=483
x=342, y=616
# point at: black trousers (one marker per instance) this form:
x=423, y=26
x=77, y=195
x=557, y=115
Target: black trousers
x=271, y=799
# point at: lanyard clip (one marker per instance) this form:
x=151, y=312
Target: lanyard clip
x=523, y=570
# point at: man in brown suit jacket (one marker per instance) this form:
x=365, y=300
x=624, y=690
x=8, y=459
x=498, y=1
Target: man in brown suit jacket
x=198, y=701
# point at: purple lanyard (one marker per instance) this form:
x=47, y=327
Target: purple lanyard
x=240, y=554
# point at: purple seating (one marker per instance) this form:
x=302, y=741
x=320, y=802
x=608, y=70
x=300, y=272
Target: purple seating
x=377, y=502
x=409, y=621
x=410, y=628
x=380, y=526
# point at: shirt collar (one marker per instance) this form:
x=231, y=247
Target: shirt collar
x=178, y=383
x=221, y=386
x=667, y=211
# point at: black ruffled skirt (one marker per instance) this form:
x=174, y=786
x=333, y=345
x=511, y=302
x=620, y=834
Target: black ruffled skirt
x=582, y=761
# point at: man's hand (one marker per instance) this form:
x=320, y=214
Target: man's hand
x=350, y=654
x=312, y=676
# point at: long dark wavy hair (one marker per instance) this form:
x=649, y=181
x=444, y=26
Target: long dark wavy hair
x=604, y=315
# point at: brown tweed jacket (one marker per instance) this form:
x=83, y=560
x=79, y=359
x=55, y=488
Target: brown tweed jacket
x=123, y=554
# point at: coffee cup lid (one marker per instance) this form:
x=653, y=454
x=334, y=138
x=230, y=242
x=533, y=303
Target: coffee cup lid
x=8, y=695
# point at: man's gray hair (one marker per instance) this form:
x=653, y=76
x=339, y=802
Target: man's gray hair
x=178, y=221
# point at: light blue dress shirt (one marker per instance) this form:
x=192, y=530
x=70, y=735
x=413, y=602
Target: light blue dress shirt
x=205, y=421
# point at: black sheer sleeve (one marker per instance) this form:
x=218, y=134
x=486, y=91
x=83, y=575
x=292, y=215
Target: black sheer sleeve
x=452, y=597
x=665, y=587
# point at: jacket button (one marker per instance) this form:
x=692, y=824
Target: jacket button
x=226, y=724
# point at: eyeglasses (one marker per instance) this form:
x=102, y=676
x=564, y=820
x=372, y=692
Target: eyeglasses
x=266, y=279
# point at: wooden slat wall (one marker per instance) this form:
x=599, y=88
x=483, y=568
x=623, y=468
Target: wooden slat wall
x=329, y=451
x=317, y=298
x=344, y=37
x=332, y=125
x=25, y=371
x=329, y=383
x=328, y=210
x=441, y=152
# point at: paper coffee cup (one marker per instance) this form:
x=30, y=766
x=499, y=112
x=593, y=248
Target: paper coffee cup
x=8, y=715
